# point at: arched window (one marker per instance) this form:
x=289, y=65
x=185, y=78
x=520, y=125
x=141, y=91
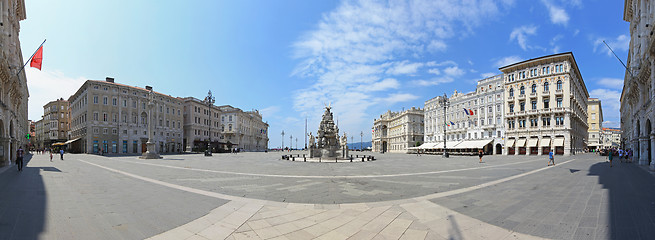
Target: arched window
x=559, y=84
x=546, y=87
x=522, y=90
x=534, y=88
x=511, y=92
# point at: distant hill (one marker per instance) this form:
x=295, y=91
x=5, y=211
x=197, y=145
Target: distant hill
x=356, y=145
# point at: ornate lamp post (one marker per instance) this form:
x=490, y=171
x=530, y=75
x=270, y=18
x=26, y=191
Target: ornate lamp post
x=290, y=142
x=361, y=137
x=282, y=140
x=151, y=152
x=209, y=100
x=444, y=102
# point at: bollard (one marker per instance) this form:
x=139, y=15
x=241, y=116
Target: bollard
x=335, y=159
x=293, y=159
x=351, y=158
x=362, y=159
x=319, y=159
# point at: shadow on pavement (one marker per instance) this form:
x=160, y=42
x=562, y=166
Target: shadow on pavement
x=22, y=202
x=631, y=200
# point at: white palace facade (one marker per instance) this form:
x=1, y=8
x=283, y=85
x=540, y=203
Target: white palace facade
x=473, y=120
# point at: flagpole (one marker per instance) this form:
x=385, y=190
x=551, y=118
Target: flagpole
x=29, y=59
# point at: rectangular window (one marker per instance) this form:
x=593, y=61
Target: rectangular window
x=511, y=107
x=104, y=100
x=124, y=146
x=95, y=99
x=534, y=105
x=491, y=109
x=546, y=103
x=522, y=105
x=559, y=102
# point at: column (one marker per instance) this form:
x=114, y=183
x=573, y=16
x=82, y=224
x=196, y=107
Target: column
x=4, y=154
x=652, y=147
x=539, y=150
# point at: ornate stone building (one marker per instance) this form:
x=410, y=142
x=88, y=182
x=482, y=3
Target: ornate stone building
x=245, y=130
x=55, y=122
x=545, y=106
x=465, y=131
x=398, y=131
x=637, y=105
x=39, y=134
x=13, y=86
x=113, y=117
x=595, y=123
x=611, y=137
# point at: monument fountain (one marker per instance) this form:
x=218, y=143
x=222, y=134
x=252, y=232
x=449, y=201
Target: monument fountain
x=327, y=144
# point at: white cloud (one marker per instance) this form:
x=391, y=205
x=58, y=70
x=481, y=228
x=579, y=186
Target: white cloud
x=521, y=35
x=399, y=97
x=620, y=43
x=613, y=83
x=557, y=14
x=385, y=84
x=487, y=75
x=553, y=43
x=507, y=61
x=434, y=71
x=433, y=82
x=45, y=86
x=404, y=68
x=610, y=101
x=437, y=45
x=361, y=43
x=269, y=111
x=453, y=71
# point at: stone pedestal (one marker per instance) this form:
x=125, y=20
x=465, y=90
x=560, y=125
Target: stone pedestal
x=151, y=153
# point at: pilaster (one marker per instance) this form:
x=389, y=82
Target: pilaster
x=643, y=150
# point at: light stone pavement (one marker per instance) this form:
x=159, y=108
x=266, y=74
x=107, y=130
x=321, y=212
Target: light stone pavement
x=259, y=196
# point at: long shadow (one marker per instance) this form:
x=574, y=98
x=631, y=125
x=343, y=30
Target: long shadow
x=22, y=202
x=631, y=206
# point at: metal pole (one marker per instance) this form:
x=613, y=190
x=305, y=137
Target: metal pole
x=361, y=137
x=282, y=139
x=445, y=101
x=290, y=142
x=28, y=60
x=305, y=133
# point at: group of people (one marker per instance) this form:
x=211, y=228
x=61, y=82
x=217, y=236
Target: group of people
x=621, y=154
x=20, y=154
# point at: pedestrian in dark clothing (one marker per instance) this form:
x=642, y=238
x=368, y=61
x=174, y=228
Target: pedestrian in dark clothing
x=609, y=156
x=480, y=154
x=61, y=151
x=19, y=159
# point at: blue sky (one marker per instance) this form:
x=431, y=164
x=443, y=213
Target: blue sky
x=289, y=58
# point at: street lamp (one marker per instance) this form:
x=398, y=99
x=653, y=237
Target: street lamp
x=209, y=100
x=282, y=140
x=290, y=142
x=444, y=102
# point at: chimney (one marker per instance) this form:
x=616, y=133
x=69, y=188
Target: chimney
x=149, y=88
x=109, y=79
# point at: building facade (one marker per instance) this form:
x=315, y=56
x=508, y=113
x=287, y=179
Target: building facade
x=39, y=134
x=637, y=105
x=473, y=120
x=244, y=130
x=199, y=124
x=113, y=118
x=611, y=137
x=545, y=106
x=13, y=85
x=595, y=123
x=398, y=131
x=55, y=122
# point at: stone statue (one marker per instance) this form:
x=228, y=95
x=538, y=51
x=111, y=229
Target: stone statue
x=327, y=137
x=344, y=140
x=311, y=140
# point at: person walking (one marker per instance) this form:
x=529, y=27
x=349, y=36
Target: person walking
x=609, y=156
x=620, y=155
x=61, y=151
x=551, y=157
x=51, y=156
x=19, y=158
x=480, y=154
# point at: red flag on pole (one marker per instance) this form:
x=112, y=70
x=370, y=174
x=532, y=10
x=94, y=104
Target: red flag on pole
x=37, y=59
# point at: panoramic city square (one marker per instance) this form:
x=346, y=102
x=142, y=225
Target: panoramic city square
x=261, y=196
x=338, y=119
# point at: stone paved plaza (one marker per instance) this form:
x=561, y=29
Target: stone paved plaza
x=260, y=196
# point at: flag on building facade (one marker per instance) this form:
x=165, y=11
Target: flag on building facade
x=37, y=58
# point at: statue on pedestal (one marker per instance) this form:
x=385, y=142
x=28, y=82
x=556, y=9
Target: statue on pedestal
x=327, y=138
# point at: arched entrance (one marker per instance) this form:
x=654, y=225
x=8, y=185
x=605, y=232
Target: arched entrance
x=648, y=147
x=499, y=149
x=384, y=146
